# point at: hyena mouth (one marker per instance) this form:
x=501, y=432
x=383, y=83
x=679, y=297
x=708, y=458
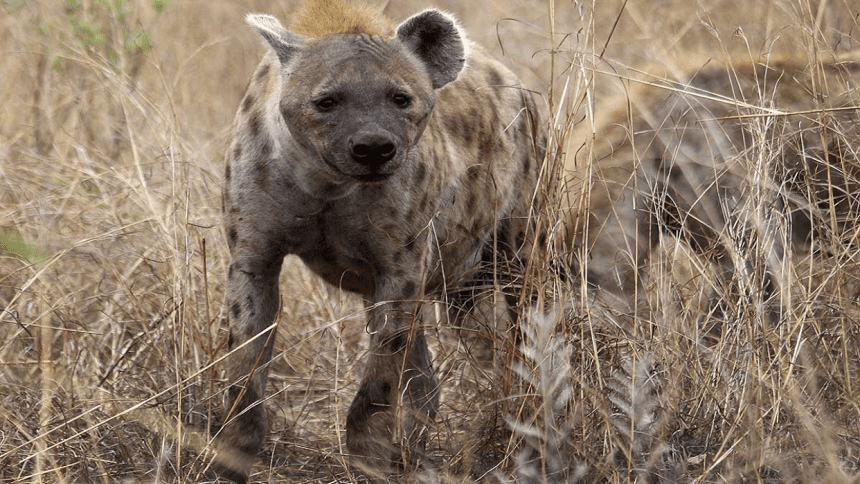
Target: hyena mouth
x=372, y=177
x=363, y=174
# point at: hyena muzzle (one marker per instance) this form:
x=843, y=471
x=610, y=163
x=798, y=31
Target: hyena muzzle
x=390, y=160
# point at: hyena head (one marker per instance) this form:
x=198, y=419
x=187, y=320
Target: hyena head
x=357, y=104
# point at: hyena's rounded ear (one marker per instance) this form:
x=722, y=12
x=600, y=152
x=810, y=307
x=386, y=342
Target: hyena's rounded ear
x=438, y=41
x=283, y=43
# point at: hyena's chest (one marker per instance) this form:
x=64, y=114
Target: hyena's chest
x=387, y=230
x=354, y=241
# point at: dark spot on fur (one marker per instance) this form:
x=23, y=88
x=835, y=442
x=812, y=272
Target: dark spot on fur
x=261, y=170
x=235, y=311
x=225, y=200
x=521, y=239
x=451, y=125
x=397, y=257
x=494, y=78
x=237, y=151
x=230, y=340
x=249, y=303
x=423, y=205
x=473, y=173
x=504, y=228
x=411, y=245
x=473, y=116
x=228, y=172
x=231, y=271
x=396, y=343
x=420, y=173
x=459, y=126
x=386, y=390
x=471, y=203
x=232, y=236
x=485, y=148
x=263, y=73
x=527, y=165
x=247, y=102
x=494, y=116
x=283, y=108
x=256, y=124
x=408, y=290
x=266, y=150
x=467, y=134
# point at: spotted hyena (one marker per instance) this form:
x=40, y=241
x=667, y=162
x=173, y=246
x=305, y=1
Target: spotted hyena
x=741, y=165
x=389, y=159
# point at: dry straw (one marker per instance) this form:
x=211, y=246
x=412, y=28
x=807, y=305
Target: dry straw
x=734, y=360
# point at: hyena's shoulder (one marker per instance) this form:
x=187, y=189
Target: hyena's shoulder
x=487, y=111
x=251, y=133
x=487, y=133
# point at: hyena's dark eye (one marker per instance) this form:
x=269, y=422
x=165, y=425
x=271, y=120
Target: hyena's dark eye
x=325, y=103
x=402, y=100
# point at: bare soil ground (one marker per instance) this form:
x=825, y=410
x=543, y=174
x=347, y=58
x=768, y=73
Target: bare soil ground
x=113, y=119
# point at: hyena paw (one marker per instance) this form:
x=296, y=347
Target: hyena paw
x=238, y=441
x=378, y=447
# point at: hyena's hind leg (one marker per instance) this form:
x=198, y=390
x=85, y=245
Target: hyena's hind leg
x=484, y=318
x=252, y=305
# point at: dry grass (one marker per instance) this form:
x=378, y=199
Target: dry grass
x=112, y=264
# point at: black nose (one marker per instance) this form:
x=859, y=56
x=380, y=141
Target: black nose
x=372, y=150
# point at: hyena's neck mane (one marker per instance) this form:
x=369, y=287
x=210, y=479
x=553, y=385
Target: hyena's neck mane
x=318, y=18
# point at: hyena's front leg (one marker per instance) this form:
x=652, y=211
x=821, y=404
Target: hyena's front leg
x=252, y=305
x=398, y=397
